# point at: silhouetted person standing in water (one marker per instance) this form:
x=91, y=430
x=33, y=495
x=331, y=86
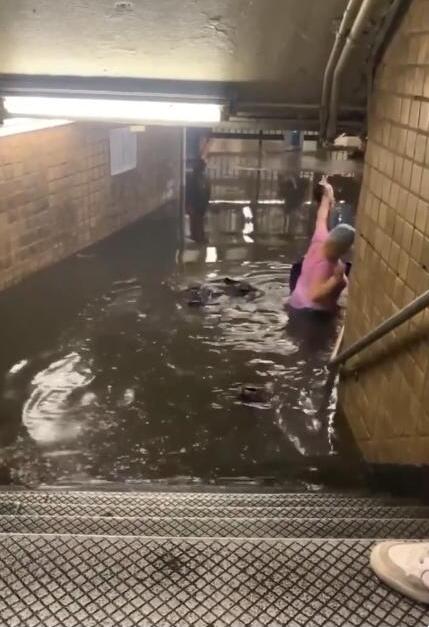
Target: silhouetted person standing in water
x=198, y=198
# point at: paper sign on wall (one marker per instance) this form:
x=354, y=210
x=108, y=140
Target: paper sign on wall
x=123, y=150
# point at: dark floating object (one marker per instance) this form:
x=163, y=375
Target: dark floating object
x=239, y=288
x=256, y=393
x=200, y=295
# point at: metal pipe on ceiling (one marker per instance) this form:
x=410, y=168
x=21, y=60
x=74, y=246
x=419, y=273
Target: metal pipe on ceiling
x=284, y=109
x=340, y=39
x=353, y=38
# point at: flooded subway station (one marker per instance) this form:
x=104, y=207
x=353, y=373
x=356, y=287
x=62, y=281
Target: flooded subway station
x=178, y=187
x=111, y=374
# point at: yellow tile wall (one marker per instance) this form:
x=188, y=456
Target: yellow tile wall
x=384, y=394
x=57, y=195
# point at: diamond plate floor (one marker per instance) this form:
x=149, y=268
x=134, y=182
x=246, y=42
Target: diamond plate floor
x=85, y=559
x=190, y=499
x=219, y=527
x=77, y=581
x=131, y=508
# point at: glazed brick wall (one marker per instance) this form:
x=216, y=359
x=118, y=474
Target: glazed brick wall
x=384, y=393
x=57, y=195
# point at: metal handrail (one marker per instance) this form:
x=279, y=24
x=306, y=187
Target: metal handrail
x=417, y=305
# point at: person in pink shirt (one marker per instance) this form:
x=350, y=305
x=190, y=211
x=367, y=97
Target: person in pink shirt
x=323, y=277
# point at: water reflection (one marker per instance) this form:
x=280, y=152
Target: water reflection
x=50, y=414
x=152, y=386
x=249, y=227
x=211, y=254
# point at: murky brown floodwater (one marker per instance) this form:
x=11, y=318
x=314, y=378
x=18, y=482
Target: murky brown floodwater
x=109, y=374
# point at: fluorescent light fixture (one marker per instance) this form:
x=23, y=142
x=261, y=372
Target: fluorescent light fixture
x=13, y=126
x=114, y=110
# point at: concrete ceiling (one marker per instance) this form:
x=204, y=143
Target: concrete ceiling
x=270, y=50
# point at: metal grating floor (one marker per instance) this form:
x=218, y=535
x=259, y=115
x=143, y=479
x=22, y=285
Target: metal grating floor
x=219, y=527
x=137, y=509
x=83, y=581
x=85, y=559
x=150, y=499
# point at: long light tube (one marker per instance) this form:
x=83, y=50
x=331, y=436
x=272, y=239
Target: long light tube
x=115, y=110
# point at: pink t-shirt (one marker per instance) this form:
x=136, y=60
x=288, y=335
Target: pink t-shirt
x=315, y=267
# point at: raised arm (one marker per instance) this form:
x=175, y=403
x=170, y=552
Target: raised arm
x=328, y=201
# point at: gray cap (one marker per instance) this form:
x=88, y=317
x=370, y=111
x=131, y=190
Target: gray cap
x=343, y=235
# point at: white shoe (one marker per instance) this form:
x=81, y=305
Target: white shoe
x=403, y=566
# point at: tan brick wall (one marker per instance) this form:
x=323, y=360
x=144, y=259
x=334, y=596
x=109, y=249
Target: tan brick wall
x=386, y=399
x=57, y=195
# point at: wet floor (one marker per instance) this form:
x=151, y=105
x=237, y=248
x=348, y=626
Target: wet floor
x=112, y=373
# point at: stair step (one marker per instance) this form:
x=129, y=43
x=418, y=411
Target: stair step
x=123, y=581
x=196, y=499
x=139, y=508
x=218, y=527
